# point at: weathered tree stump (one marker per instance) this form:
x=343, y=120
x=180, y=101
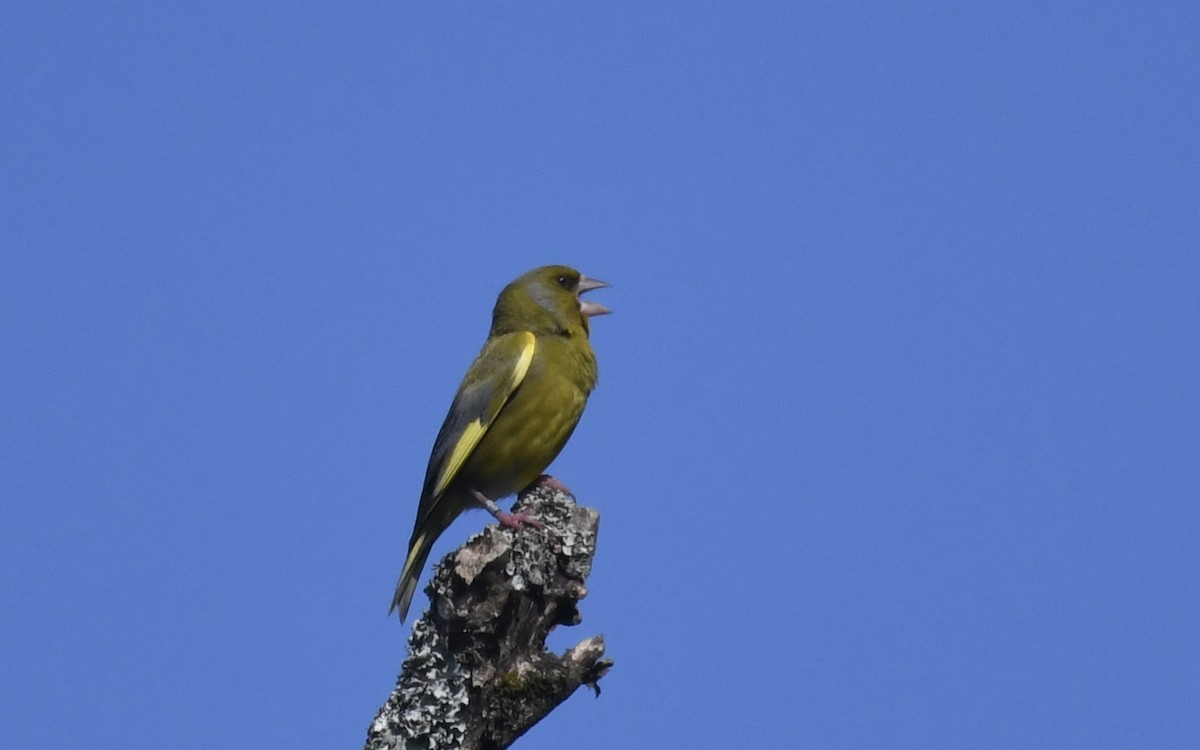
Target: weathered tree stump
x=478, y=675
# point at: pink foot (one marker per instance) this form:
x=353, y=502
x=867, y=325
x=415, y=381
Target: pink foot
x=518, y=520
x=546, y=480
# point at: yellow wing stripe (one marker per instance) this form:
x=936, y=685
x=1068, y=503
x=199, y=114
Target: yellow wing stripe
x=466, y=443
x=528, y=346
x=475, y=430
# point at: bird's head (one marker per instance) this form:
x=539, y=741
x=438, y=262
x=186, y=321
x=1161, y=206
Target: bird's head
x=547, y=300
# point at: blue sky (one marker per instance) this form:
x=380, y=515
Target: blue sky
x=897, y=440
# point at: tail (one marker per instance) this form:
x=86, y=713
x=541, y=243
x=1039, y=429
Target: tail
x=418, y=553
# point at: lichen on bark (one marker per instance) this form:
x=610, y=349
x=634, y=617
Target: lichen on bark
x=478, y=674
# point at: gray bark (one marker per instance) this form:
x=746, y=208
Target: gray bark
x=478, y=675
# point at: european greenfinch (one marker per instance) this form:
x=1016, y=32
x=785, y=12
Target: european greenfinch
x=514, y=411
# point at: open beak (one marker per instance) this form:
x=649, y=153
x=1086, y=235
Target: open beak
x=587, y=307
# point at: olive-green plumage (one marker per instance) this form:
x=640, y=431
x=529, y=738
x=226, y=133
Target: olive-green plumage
x=514, y=411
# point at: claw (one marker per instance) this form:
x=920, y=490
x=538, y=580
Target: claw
x=508, y=520
x=518, y=520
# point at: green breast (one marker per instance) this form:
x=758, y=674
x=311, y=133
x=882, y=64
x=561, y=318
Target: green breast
x=536, y=422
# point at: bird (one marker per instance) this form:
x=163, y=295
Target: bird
x=516, y=408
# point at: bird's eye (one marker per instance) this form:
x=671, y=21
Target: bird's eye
x=564, y=281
